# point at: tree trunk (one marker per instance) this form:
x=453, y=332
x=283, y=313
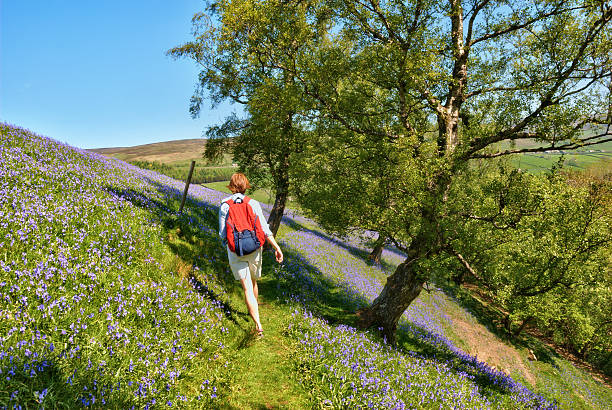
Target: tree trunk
x=582, y=352
x=378, y=248
x=518, y=331
x=507, y=324
x=448, y=118
x=276, y=215
x=609, y=119
x=280, y=172
x=402, y=287
x=281, y=187
x=459, y=277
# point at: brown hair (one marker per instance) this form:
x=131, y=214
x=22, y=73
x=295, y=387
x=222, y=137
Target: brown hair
x=239, y=183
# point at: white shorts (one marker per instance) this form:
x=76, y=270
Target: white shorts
x=242, y=265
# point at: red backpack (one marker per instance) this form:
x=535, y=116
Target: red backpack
x=243, y=228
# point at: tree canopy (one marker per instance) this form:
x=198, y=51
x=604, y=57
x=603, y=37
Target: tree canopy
x=444, y=86
x=407, y=111
x=238, y=45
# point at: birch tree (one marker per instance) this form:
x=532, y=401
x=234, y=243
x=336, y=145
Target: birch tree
x=491, y=78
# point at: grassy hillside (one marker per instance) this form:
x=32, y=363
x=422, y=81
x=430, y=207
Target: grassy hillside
x=166, y=152
x=110, y=299
x=173, y=159
x=574, y=160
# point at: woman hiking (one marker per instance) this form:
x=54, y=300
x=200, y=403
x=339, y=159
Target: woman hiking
x=244, y=229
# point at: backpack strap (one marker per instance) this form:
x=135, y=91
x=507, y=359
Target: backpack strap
x=244, y=199
x=229, y=203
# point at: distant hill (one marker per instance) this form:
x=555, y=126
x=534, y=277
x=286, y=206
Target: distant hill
x=166, y=152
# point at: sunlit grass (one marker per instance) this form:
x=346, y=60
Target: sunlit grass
x=540, y=163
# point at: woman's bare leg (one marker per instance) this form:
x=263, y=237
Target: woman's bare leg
x=251, y=300
x=255, y=290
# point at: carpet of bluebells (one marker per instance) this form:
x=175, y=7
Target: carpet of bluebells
x=373, y=376
x=356, y=372
x=87, y=315
x=90, y=317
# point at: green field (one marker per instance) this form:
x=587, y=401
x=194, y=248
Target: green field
x=262, y=195
x=265, y=196
x=579, y=160
x=201, y=174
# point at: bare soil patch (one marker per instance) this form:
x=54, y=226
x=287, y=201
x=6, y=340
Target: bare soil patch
x=485, y=345
x=488, y=303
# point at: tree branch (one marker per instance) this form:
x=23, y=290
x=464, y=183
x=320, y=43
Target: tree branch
x=364, y=23
x=546, y=101
x=475, y=11
x=467, y=266
x=376, y=8
x=515, y=27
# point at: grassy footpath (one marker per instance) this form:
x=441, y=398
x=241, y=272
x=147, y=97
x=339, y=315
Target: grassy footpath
x=264, y=370
x=111, y=299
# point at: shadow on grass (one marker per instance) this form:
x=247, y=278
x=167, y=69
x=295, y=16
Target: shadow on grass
x=204, y=290
x=352, y=249
x=299, y=281
x=44, y=385
x=248, y=338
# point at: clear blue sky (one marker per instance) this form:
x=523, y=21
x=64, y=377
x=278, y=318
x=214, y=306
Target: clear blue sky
x=95, y=73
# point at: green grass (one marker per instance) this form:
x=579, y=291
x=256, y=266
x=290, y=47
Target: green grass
x=542, y=162
x=201, y=174
x=539, y=162
x=264, y=371
x=260, y=373
x=578, y=159
x=264, y=196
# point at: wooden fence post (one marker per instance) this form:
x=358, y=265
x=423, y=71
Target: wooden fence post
x=187, y=186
